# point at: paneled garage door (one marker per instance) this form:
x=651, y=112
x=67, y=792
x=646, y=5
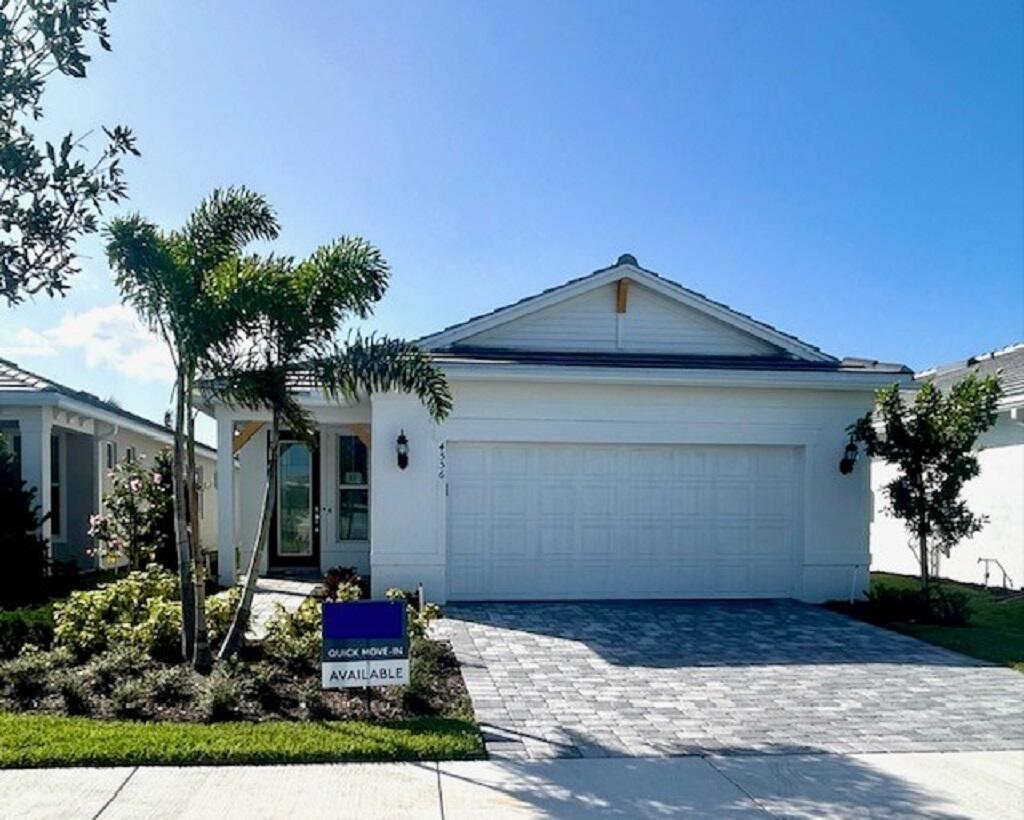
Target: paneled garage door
x=536, y=521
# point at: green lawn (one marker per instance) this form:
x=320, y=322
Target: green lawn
x=45, y=740
x=995, y=633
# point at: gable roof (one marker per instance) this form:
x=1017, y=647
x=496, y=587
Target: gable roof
x=15, y=379
x=1008, y=359
x=626, y=267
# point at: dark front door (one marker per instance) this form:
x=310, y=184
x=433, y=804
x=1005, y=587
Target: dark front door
x=295, y=526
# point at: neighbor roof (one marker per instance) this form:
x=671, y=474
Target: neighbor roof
x=15, y=379
x=1010, y=360
x=626, y=266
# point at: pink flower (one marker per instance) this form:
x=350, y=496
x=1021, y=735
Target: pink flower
x=157, y=478
x=135, y=485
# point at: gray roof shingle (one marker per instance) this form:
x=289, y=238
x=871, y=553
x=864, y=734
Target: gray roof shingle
x=14, y=378
x=1010, y=360
x=486, y=355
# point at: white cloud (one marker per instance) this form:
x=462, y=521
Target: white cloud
x=26, y=343
x=110, y=336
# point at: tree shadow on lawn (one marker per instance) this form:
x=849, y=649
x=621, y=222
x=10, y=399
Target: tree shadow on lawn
x=670, y=634
x=791, y=781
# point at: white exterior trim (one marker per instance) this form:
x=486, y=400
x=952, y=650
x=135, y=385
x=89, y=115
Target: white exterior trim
x=52, y=399
x=827, y=380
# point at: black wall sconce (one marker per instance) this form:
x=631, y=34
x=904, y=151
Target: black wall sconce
x=402, y=450
x=849, y=458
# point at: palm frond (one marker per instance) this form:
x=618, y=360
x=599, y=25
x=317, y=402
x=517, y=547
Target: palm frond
x=379, y=364
x=224, y=223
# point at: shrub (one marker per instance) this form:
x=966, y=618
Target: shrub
x=74, y=691
x=28, y=674
x=294, y=640
x=950, y=607
x=139, y=523
x=221, y=697
x=30, y=625
x=314, y=702
x=130, y=699
x=417, y=621
x=168, y=685
x=266, y=680
x=140, y=609
x=122, y=662
x=945, y=607
x=885, y=603
x=220, y=609
x=24, y=572
x=342, y=584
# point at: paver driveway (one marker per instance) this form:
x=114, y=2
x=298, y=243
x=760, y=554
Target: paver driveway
x=660, y=678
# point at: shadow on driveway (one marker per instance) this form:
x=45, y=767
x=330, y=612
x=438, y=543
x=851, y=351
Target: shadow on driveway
x=707, y=633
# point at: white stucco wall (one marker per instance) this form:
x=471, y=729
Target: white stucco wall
x=997, y=492
x=408, y=507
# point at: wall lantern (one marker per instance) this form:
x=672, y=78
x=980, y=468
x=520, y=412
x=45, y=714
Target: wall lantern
x=849, y=458
x=402, y=450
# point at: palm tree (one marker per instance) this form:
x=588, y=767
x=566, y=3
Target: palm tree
x=295, y=313
x=181, y=283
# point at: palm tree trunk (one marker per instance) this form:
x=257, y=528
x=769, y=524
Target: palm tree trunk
x=202, y=658
x=233, y=640
x=181, y=533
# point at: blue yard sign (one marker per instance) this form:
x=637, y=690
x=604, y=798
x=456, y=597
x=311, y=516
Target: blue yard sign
x=365, y=644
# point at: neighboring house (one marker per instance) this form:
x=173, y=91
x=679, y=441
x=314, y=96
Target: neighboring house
x=997, y=492
x=618, y=436
x=67, y=441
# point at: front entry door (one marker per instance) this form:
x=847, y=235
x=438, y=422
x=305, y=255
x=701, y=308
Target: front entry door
x=295, y=526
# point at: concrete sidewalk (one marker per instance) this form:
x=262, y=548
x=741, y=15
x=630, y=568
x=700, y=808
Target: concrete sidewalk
x=921, y=784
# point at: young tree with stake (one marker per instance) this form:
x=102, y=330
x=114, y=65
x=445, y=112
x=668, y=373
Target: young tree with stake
x=932, y=443
x=183, y=285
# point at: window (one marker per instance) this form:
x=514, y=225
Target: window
x=56, y=486
x=353, y=490
x=110, y=454
x=129, y=455
x=12, y=441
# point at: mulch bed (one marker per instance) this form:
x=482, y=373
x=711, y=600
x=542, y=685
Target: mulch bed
x=252, y=689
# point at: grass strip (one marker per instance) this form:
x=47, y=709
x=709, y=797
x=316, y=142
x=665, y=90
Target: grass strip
x=32, y=740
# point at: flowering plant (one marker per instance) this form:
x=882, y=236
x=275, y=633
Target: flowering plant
x=137, y=524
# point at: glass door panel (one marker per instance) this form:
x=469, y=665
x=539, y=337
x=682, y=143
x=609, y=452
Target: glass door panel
x=295, y=500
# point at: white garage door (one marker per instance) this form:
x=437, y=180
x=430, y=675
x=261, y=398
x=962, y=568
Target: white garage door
x=535, y=521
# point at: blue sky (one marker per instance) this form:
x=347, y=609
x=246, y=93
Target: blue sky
x=852, y=173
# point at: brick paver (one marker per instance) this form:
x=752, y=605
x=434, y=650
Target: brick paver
x=661, y=678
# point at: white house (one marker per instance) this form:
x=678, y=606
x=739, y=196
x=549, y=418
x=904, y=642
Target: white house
x=997, y=492
x=67, y=441
x=618, y=436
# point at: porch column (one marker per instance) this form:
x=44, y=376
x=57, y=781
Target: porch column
x=225, y=500
x=35, y=425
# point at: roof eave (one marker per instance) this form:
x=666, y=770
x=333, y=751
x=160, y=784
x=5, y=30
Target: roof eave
x=830, y=380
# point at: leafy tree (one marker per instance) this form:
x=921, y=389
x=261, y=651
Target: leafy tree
x=295, y=311
x=21, y=546
x=931, y=442
x=138, y=525
x=49, y=195
x=182, y=284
